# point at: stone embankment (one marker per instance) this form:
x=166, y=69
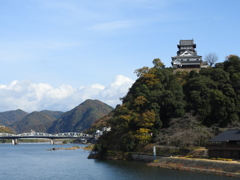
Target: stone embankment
x=218, y=167
x=230, y=168
x=144, y=157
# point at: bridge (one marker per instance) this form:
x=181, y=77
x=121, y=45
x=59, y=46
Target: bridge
x=52, y=137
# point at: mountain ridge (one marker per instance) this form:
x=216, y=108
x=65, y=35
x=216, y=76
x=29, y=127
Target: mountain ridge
x=36, y=121
x=76, y=119
x=12, y=116
x=80, y=117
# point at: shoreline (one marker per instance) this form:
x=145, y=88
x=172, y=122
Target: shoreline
x=85, y=148
x=199, y=165
x=216, y=167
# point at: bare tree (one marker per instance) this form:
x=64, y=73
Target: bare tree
x=211, y=58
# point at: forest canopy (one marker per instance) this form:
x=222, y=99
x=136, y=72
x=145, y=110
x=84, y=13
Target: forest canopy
x=160, y=94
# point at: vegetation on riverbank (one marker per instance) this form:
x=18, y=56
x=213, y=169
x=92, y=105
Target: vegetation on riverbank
x=87, y=148
x=70, y=148
x=180, y=109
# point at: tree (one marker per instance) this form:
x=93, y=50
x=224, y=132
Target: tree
x=158, y=63
x=141, y=71
x=211, y=58
x=212, y=97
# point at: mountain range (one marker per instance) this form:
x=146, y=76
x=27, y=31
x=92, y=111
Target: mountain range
x=77, y=119
x=10, y=117
x=37, y=121
x=81, y=117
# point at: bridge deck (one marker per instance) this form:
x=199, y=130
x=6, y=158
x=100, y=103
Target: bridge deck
x=44, y=137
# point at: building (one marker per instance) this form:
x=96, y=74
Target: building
x=225, y=145
x=106, y=129
x=187, y=56
x=100, y=133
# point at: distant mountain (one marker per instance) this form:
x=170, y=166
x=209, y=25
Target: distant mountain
x=81, y=117
x=55, y=114
x=10, y=117
x=36, y=121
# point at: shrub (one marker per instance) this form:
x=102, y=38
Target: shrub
x=221, y=159
x=65, y=142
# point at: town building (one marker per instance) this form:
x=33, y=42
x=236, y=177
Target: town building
x=100, y=133
x=187, y=56
x=225, y=145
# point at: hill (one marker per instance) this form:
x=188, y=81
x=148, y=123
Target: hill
x=9, y=117
x=81, y=117
x=4, y=129
x=36, y=121
x=54, y=114
x=175, y=108
x=99, y=123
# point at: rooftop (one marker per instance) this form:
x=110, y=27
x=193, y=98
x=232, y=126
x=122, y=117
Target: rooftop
x=229, y=135
x=186, y=42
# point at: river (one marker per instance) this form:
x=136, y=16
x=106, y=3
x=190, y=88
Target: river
x=32, y=161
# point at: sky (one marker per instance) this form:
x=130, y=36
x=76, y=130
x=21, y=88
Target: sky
x=55, y=54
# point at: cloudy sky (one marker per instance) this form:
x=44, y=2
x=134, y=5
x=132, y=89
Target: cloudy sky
x=54, y=54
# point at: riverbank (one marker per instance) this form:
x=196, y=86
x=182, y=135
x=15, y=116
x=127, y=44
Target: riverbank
x=86, y=148
x=70, y=148
x=230, y=168
x=204, y=165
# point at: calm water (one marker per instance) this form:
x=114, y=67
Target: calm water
x=33, y=162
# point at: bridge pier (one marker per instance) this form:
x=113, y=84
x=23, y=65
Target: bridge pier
x=52, y=142
x=14, y=141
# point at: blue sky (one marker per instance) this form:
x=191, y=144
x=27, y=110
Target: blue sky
x=54, y=54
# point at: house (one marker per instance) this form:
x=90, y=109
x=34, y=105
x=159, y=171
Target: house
x=106, y=129
x=225, y=145
x=187, y=56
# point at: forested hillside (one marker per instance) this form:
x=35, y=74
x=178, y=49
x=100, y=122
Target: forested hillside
x=80, y=117
x=5, y=130
x=162, y=99
x=36, y=121
x=9, y=117
x=77, y=119
x=54, y=114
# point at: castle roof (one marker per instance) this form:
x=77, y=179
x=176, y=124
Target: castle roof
x=186, y=42
x=187, y=54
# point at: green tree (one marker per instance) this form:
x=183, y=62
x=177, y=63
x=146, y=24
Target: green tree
x=158, y=63
x=212, y=97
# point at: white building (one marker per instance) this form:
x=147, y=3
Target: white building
x=106, y=129
x=187, y=56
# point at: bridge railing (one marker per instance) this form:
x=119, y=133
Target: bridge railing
x=45, y=135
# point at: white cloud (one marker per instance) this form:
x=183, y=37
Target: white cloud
x=30, y=96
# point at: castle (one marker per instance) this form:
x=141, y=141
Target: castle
x=187, y=56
